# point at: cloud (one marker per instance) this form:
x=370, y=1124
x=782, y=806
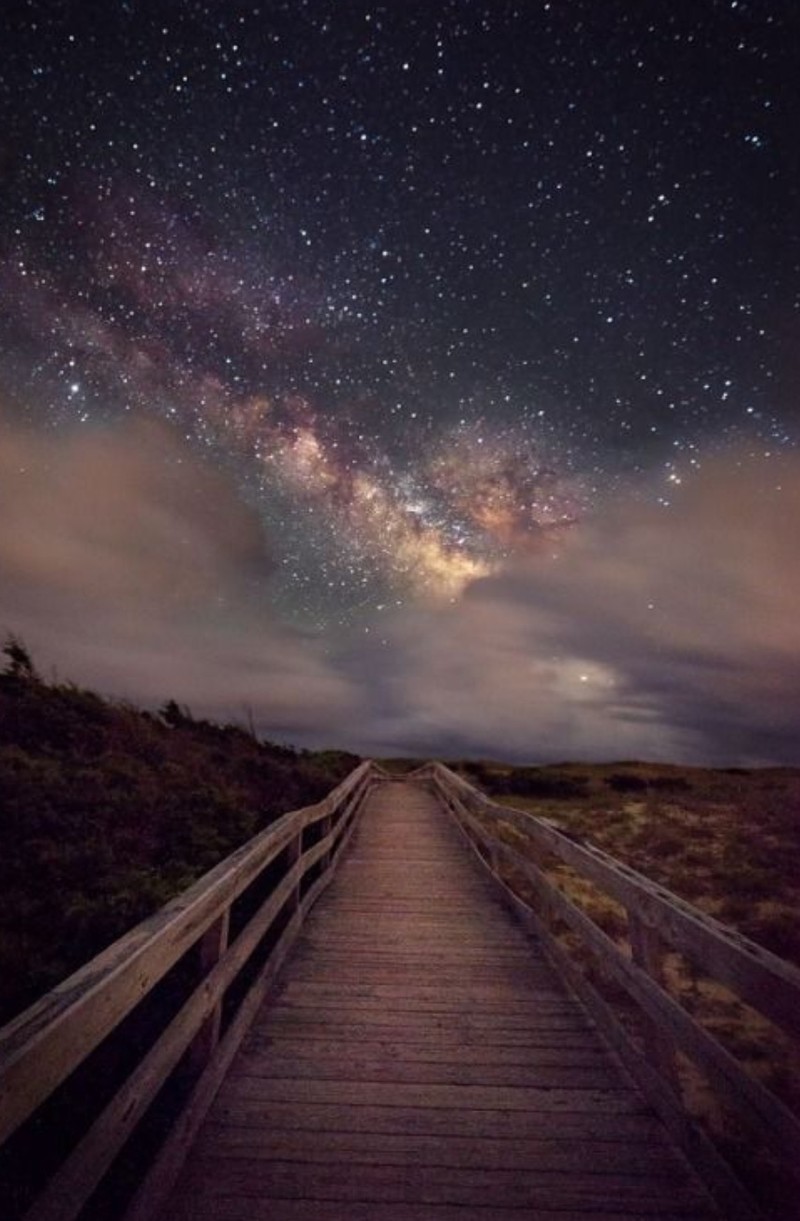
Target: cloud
x=134, y=567
x=660, y=633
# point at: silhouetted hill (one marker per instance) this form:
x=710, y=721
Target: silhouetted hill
x=107, y=811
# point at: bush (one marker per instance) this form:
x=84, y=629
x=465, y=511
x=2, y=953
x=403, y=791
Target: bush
x=537, y=782
x=622, y=782
x=476, y=773
x=106, y=812
x=669, y=784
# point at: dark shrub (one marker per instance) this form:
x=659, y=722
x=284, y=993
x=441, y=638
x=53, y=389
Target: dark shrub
x=670, y=784
x=621, y=782
x=536, y=782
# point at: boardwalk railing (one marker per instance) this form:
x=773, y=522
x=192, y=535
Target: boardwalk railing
x=157, y=1017
x=658, y=922
x=206, y=960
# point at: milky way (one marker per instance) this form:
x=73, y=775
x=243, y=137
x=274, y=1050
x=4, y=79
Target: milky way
x=432, y=284
x=155, y=319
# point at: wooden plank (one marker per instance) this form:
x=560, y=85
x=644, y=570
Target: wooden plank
x=443, y=1097
x=367, y=948
x=427, y=1033
x=475, y=1187
x=441, y=1050
x=503, y=997
x=417, y=931
x=407, y=1000
x=444, y=973
x=270, y=1143
x=345, y=1013
x=237, y=1110
x=348, y=903
x=441, y=971
x=534, y=1076
x=407, y=926
x=352, y=1066
x=247, y=1208
x=415, y=958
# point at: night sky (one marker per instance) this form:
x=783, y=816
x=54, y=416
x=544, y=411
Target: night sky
x=409, y=377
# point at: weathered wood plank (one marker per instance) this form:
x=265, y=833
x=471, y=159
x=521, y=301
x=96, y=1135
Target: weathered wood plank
x=503, y=997
x=475, y=1187
x=445, y=974
x=414, y=959
x=427, y=1033
x=630, y=1129
x=270, y=1143
x=399, y=939
x=495, y=1024
x=360, y=951
x=441, y=1097
x=234, y=1209
x=441, y=1050
x=391, y=1070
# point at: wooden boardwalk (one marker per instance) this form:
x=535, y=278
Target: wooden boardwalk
x=419, y=1059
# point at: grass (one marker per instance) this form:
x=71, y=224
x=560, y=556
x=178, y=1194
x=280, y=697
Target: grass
x=727, y=841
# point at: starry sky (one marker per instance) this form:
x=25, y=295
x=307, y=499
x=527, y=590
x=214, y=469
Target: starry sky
x=409, y=377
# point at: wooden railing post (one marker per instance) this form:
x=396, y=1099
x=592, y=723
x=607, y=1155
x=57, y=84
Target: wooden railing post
x=294, y=851
x=326, y=826
x=648, y=951
x=211, y=947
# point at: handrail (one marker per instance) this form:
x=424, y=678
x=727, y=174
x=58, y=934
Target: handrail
x=278, y=875
x=658, y=921
x=45, y=1044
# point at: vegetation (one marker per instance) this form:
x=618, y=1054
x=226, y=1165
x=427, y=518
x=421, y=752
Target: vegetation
x=726, y=840
x=107, y=811
x=401, y=766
